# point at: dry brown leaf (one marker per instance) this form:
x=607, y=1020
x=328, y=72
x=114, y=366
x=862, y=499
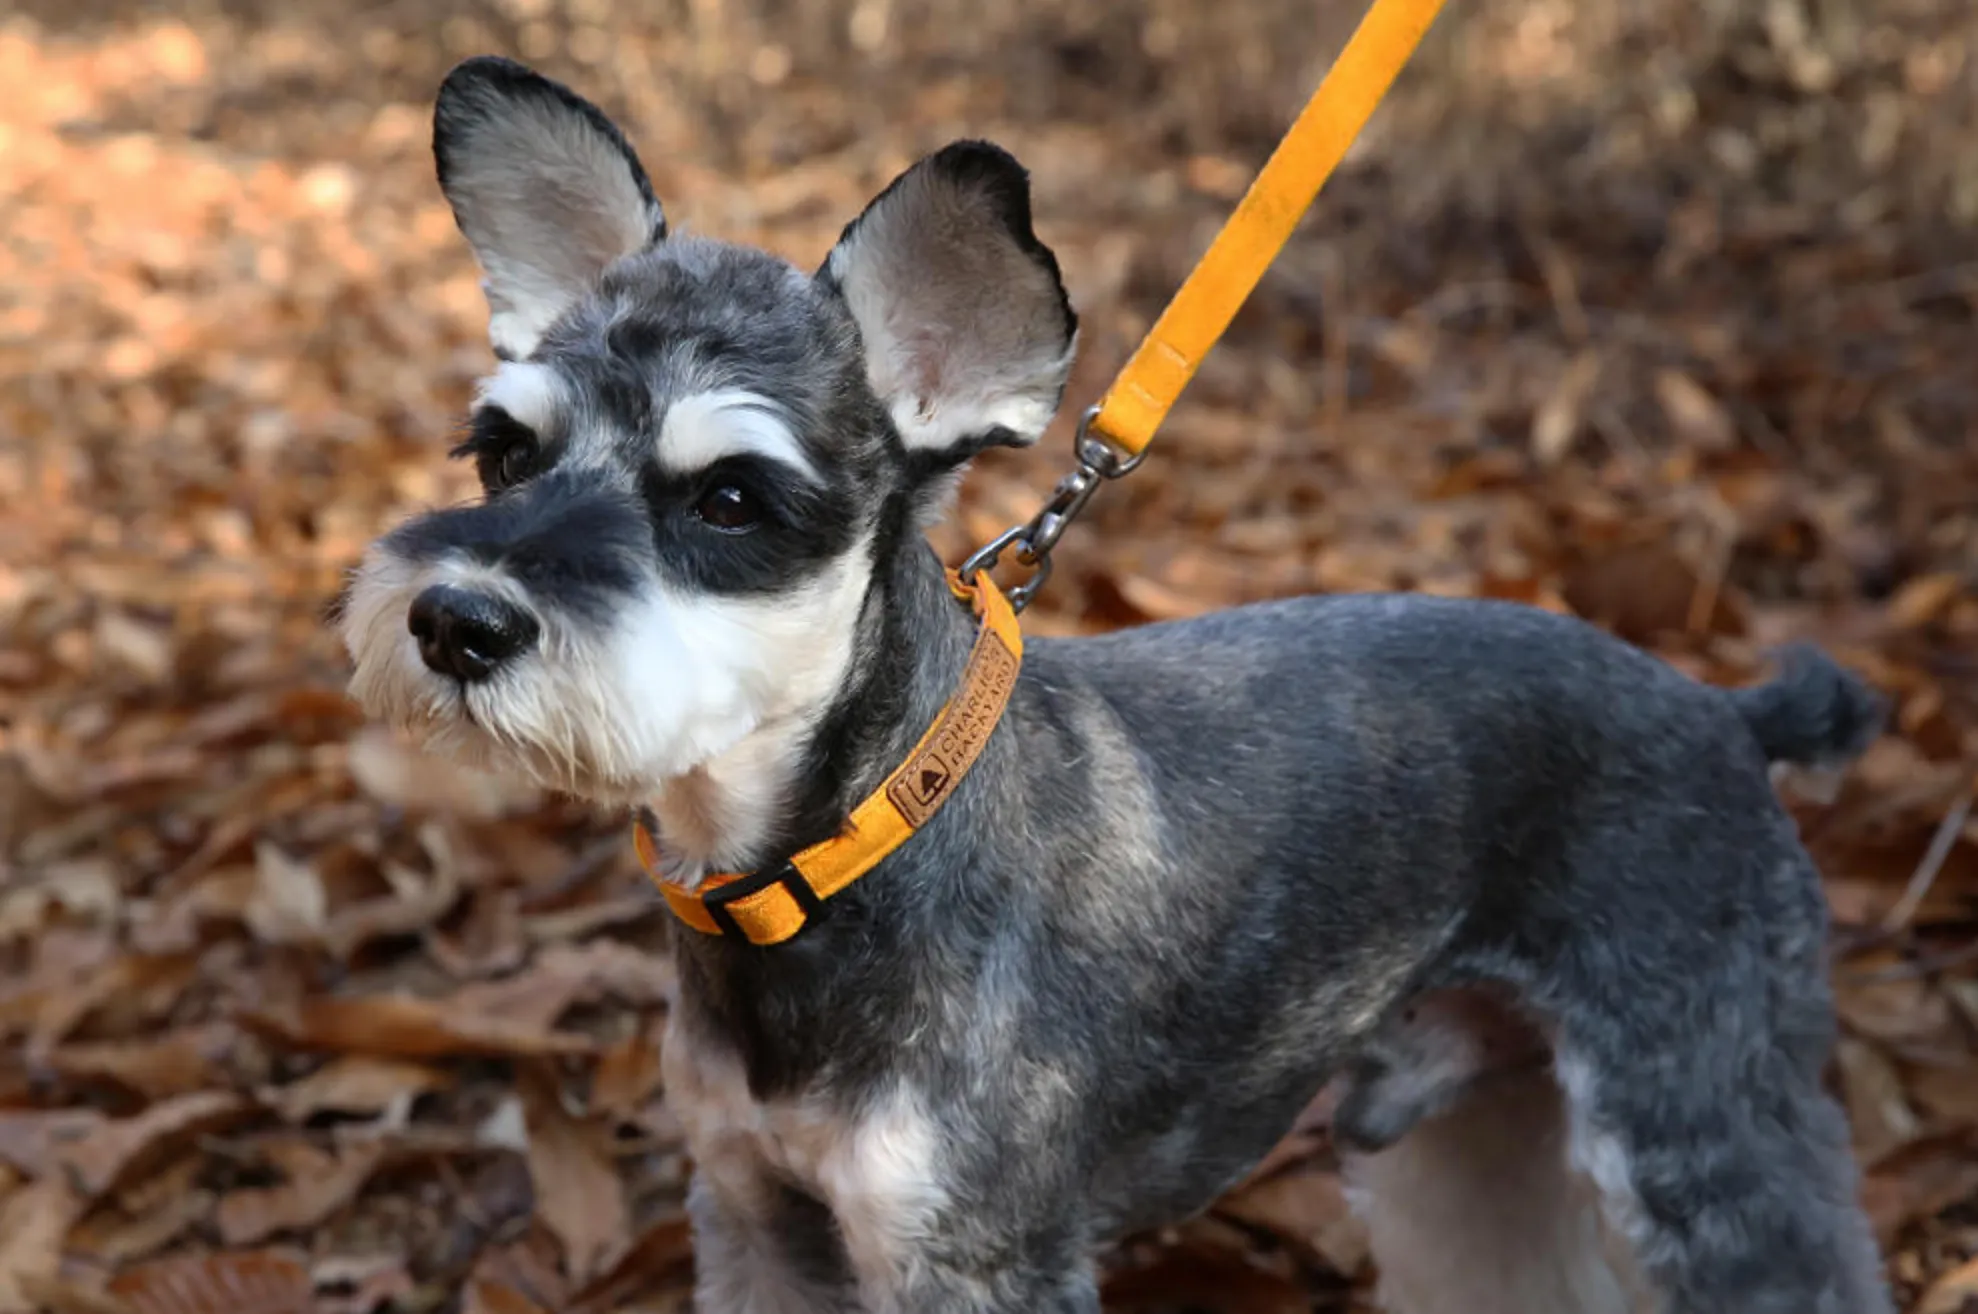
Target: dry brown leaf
x=1948, y=1093
x=417, y=902
x=156, y=1067
x=360, y=1284
x=579, y=1197
x=662, y=1255
x=1878, y=1106
x=1694, y=415
x=1923, y=599
x=627, y=1076
x=319, y=1183
x=253, y=1282
x=99, y=1159
x=34, y=1222
x=1558, y=420
x=145, y=1216
x=406, y=1026
x=1306, y=1206
x=1916, y=1181
x=518, y=1278
x=488, y=1296
x=392, y=771
x=34, y=1140
x=289, y=905
x=1953, y=1292
x=356, y=1084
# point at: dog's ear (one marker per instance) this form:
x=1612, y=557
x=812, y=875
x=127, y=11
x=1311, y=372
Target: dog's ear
x=968, y=334
x=545, y=188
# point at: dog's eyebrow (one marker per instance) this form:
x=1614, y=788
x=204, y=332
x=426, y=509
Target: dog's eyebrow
x=703, y=427
x=530, y=393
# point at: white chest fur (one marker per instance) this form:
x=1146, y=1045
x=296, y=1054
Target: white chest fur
x=876, y=1165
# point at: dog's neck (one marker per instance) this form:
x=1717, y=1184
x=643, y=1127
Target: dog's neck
x=792, y=781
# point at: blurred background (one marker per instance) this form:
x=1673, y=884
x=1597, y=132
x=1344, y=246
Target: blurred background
x=1662, y=313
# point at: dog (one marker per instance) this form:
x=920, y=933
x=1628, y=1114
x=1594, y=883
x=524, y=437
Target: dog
x=1521, y=893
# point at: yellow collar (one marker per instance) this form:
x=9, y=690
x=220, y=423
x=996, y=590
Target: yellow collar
x=770, y=906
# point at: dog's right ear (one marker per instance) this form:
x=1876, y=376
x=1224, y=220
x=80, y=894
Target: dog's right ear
x=545, y=188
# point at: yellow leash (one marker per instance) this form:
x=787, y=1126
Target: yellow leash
x=1114, y=434
x=1147, y=387
x=770, y=906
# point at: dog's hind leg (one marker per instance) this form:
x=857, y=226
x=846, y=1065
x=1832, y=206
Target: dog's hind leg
x=1695, y=1102
x=1477, y=1209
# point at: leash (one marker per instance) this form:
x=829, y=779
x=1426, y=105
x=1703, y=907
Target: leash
x=772, y=905
x=1112, y=436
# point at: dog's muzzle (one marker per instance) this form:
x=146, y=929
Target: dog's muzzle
x=466, y=635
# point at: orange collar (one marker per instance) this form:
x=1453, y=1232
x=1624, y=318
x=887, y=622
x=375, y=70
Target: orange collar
x=770, y=906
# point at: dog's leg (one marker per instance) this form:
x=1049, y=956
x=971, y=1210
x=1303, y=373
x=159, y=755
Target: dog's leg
x=1477, y=1209
x=773, y=1254
x=1695, y=1101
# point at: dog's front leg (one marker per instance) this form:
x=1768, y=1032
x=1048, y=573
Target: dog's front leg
x=759, y=1249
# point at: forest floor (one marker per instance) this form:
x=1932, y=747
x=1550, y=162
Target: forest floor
x=1662, y=313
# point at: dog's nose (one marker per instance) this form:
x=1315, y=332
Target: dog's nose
x=465, y=634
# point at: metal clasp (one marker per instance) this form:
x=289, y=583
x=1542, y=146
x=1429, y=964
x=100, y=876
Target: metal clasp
x=1098, y=462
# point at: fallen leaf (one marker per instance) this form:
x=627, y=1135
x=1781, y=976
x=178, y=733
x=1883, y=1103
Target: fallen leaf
x=289, y=905
x=235, y=1282
x=1923, y=598
x=1878, y=1107
x=627, y=1076
x=33, y=1140
x=145, y=1216
x=356, y=1084
x=319, y=1183
x=406, y=1026
x=416, y=903
x=1918, y=1180
x=1952, y=1292
x=1694, y=415
x=1306, y=1206
x=392, y=771
x=100, y=1158
x=1558, y=419
x=360, y=1284
x=579, y=1197
x=662, y=1255
x=34, y=1222
x=155, y=1067
x=518, y=1278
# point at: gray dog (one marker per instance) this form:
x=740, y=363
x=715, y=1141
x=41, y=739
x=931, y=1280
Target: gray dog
x=1523, y=891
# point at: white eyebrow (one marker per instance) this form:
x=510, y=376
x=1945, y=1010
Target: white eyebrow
x=530, y=392
x=703, y=427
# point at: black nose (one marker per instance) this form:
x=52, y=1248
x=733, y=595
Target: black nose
x=467, y=635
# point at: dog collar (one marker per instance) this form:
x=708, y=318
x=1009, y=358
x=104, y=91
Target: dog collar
x=772, y=905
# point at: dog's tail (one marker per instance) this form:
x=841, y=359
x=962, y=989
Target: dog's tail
x=1815, y=712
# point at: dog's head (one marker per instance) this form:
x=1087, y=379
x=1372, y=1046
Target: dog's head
x=691, y=451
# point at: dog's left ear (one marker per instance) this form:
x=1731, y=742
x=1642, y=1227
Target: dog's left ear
x=968, y=333
x=545, y=188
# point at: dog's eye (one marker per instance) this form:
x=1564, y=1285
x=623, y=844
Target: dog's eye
x=514, y=463
x=728, y=506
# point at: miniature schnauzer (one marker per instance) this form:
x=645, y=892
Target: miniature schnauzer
x=1522, y=893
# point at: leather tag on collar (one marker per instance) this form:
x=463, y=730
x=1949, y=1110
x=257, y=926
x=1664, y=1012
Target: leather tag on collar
x=929, y=775
x=772, y=905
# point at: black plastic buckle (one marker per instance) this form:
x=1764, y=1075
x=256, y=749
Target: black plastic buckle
x=716, y=901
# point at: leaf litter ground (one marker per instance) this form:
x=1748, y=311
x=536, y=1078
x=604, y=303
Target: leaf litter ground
x=1662, y=314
